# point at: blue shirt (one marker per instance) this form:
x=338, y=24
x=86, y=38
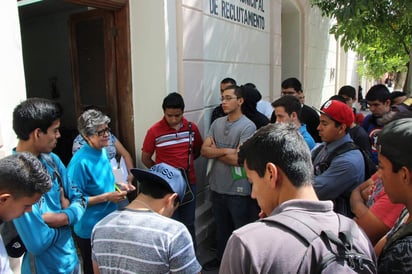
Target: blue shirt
x=91, y=172
x=306, y=135
x=346, y=171
x=53, y=249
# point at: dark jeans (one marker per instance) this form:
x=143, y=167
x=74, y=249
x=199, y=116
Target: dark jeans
x=186, y=215
x=86, y=253
x=231, y=212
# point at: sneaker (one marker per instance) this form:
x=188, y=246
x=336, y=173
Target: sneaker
x=211, y=265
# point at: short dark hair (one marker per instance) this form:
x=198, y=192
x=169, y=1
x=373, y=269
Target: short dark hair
x=153, y=189
x=292, y=83
x=337, y=98
x=35, y=113
x=173, y=100
x=251, y=96
x=252, y=91
x=348, y=91
x=237, y=90
x=379, y=93
x=290, y=103
x=280, y=144
x=228, y=80
x=23, y=175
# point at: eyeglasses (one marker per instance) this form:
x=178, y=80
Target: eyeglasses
x=228, y=98
x=102, y=132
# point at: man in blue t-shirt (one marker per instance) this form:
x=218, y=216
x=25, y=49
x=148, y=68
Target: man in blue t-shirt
x=46, y=230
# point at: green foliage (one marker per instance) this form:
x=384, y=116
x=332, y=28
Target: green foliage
x=380, y=31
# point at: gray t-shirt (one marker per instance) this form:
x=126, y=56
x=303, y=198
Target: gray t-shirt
x=229, y=135
x=260, y=247
x=139, y=241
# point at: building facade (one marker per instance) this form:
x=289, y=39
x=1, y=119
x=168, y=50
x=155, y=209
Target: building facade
x=186, y=46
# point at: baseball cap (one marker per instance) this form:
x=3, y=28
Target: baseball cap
x=337, y=111
x=394, y=141
x=164, y=174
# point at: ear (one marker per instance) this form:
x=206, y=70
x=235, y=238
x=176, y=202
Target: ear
x=272, y=174
x=36, y=133
x=4, y=197
x=406, y=175
x=294, y=116
x=241, y=100
x=342, y=128
x=173, y=200
x=387, y=103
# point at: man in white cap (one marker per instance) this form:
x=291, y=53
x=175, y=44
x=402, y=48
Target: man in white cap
x=139, y=239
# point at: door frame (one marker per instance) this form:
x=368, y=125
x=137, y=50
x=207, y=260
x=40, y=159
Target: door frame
x=125, y=119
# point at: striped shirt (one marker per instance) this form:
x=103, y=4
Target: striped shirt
x=139, y=241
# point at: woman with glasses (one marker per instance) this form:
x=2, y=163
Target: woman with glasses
x=115, y=150
x=90, y=170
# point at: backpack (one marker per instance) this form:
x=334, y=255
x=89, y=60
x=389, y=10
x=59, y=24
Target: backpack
x=370, y=166
x=327, y=252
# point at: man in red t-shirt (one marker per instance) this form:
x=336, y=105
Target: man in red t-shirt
x=176, y=142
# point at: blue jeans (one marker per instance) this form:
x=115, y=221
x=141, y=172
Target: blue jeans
x=231, y=212
x=186, y=215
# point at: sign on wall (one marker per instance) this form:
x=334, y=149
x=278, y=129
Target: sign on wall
x=246, y=12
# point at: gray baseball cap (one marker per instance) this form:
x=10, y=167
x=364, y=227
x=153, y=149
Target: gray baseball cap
x=164, y=174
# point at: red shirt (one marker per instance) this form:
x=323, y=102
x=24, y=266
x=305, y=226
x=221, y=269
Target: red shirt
x=172, y=146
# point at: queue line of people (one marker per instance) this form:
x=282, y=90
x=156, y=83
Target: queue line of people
x=82, y=190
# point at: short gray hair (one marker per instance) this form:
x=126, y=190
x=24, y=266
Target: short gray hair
x=90, y=120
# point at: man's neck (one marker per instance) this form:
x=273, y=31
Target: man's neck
x=235, y=115
x=26, y=146
x=145, y=202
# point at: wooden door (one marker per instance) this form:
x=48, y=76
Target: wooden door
x=93, y=62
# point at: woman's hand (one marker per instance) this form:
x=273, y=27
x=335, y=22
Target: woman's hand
x=116, y=196
x=125, y=186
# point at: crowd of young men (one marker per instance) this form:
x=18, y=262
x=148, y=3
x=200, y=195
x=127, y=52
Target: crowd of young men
x=290, y=175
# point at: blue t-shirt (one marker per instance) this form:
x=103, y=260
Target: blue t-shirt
x=53, y=249
x=91, y=172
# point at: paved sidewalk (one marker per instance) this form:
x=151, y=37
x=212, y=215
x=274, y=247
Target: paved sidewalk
x=204, y=254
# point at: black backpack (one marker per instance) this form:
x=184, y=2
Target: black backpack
x=327, y=252
x=370, y=166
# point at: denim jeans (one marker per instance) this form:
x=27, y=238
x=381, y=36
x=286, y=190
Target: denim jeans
x=231, y=212
x=186, y=215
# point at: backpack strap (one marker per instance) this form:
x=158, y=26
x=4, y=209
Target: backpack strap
x=303, y=230
x=343, y=148
x=50, y=162
x=316, y=151
x=309, y=230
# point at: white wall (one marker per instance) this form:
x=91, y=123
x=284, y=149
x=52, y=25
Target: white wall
x=149, y=71
x=180, y=46
x=215, y=47
x=326, y=65
x=12, y=84
x=187, y=46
